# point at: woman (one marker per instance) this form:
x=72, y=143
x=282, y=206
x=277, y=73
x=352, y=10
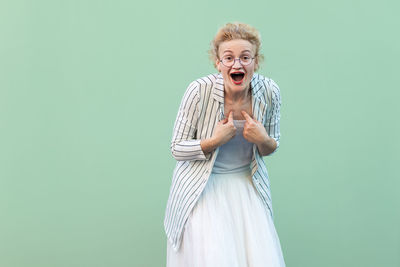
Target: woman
x=219, y=210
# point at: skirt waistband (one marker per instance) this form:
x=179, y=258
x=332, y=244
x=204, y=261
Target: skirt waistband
x=239, y=173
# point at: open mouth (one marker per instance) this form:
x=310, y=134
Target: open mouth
x=237, y=77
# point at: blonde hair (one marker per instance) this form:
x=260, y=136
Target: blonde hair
x=236, y=30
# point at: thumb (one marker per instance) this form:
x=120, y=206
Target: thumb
x=230, y=118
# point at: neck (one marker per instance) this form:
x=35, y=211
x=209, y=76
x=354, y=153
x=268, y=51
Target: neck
x=237, y=96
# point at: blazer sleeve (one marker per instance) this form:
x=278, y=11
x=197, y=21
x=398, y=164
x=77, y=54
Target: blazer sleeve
x=184, y=146
x=273, y=113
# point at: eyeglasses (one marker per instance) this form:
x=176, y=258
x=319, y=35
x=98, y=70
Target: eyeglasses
x=229, y=61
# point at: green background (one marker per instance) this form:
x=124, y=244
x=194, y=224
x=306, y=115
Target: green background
x=89, y=91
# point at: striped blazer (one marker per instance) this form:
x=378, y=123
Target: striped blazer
x=202, y=106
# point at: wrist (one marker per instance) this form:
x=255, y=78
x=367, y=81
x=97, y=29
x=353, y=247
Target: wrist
x=267, y=146
x=214, y=141
x=265, y=140
x=208, y=145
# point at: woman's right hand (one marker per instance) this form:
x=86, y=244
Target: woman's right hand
x=225, y=130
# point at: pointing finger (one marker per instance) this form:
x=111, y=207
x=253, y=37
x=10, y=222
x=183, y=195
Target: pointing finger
x=247, y=116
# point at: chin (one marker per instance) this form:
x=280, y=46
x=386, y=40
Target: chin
x=241, y=88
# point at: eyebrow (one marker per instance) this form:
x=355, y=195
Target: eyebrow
x=241, y=52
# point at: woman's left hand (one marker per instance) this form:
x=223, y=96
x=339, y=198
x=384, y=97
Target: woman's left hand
x=254, y=130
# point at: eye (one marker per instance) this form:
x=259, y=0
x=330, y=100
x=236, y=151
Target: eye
x=228, y=58
x=245, y=57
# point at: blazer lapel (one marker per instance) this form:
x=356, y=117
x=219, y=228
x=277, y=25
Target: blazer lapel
x=259, y=108
x=257, y=101
x=218, y=94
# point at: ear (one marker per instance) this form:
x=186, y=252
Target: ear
x=256, y=64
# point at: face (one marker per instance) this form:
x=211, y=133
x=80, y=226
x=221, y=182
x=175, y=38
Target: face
x=235, y=49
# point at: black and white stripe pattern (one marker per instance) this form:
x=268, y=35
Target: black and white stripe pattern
x=202, y=106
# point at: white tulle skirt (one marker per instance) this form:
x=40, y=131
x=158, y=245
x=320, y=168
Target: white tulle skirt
x=228, y=227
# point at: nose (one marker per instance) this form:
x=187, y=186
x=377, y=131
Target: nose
x=237, y=64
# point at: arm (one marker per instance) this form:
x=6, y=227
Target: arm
x=272, y=122
x=267, y=147
x=183, y=145
x=208, y=145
